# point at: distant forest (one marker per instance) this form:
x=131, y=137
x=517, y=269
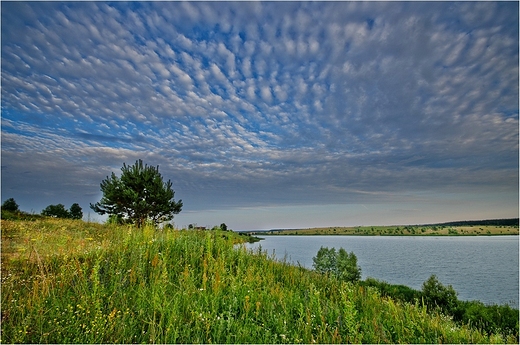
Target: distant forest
x=496, y=222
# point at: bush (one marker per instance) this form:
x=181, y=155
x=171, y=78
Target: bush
x=437, y=295
x=340, y=264
x=490, y=319
x=493, y=319
x=398, y=292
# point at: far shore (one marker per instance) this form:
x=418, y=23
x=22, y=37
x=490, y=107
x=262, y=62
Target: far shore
x=401, y=230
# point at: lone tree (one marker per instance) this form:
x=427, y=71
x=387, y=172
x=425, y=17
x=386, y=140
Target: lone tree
x=437, y=295
x=10, y=205
x=139, y=195
x=75, y=211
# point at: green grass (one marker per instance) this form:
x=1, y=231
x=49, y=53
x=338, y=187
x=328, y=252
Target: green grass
x=68, y=281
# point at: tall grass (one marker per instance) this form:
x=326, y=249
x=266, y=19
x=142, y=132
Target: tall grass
x=75, y=282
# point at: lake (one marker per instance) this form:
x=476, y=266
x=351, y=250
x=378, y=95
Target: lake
x=481, y=268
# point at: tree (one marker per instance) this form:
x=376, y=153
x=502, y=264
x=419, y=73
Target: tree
x=223, y=227
x=340, y=264
x=437, y=295
x=325, y=261
x=348, y=268
x=10, y=205
x=76, y=211
x=138, y=195
x=58, y=211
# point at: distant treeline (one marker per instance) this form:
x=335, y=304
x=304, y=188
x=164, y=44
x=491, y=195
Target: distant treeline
x=495, y=222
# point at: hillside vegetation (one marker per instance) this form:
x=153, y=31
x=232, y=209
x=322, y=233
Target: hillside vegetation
x=67, y=281
x=482, y=228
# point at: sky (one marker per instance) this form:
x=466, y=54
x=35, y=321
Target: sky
x=267, y=114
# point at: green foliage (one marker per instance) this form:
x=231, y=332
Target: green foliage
x=492, y=319
x=348, y=269
x=340, y=264
x=398, y=292
x=122, y=286
x=138, y=196
x=75, y=211
x=58, y=211
x=115, y=219
x=452, y=231
x=437, y=295
x=223, y=227
x=10, y=205
x=325, y=261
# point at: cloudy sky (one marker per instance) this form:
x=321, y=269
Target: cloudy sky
x=267, y=114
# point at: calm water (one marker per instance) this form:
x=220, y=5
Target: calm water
x=479, y=268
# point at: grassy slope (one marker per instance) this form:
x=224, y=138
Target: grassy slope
x=76, y=282
x=412, y=230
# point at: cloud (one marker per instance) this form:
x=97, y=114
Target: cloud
x=264, y=103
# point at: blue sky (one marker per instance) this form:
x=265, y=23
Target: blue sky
x=267, y=114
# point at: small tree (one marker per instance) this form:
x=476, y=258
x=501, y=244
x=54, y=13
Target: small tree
x=139, y=195
x=75, y=211
x=437, y=295
x=10, y=205
x=325, y=261
x=348, y=268
x=58, y=211
x=340, y=264
x=223, y=227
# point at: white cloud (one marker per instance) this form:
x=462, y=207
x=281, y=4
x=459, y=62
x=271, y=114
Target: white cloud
x=270, y=94
x=246, y=68
x=217, y=73
x=266, y=94
x=251, y=92
x=280, y=93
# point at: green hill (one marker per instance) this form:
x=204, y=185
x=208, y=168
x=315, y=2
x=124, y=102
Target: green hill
x=66, y=281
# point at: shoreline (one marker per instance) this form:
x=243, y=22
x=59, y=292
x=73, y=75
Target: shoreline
x=406, y=230
x=390, y=235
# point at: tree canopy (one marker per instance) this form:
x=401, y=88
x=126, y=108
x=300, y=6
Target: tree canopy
x=341, y=264
x=75, y=211
x=59, y=211
x=10, y=205
x=139, y=195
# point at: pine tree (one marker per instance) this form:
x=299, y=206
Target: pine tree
x=139, y=195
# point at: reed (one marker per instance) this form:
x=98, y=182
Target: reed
x=75, y=282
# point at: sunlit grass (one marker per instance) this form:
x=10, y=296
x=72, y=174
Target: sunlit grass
x=75, y=282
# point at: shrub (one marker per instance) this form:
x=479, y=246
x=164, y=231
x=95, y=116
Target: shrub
x=340, y=264
x=437, y=295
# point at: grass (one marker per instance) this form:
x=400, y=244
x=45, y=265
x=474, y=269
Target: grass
x=406, y=230
x=68, y=281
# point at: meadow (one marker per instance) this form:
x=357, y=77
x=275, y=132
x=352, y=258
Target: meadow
x=69, y=281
